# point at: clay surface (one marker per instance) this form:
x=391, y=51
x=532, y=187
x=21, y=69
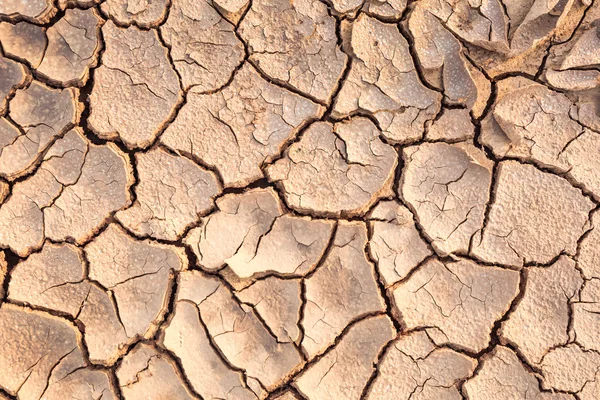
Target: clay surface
x=300, y=199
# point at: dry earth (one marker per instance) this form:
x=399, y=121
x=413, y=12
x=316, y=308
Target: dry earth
x=300, y=199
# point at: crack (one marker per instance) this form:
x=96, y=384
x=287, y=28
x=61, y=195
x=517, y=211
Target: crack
x=56, y=365
x=553, y=171
x=383, y=292
x=217, y=349
x=12, y=259
x=303, y=298
x=54, y=313
x=347, y=67
x=287, y=389
x=175, y=363
x=495, y=338
x=283, y=84
x=4, y=393
x=405, y=32
x=330, y=347
x=493, y=189
x=169, y=309
x=398, y=184
x=376, y=372
x=553, y=43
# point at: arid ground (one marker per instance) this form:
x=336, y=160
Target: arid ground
x=300, y=199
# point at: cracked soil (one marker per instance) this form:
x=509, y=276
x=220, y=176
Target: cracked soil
x=300, y=199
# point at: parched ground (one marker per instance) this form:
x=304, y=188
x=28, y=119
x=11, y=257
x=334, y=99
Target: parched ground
x=300, y=199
